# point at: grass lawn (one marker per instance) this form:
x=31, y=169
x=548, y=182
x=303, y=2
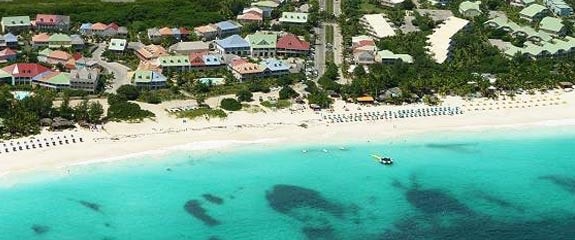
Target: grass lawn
x=329, y=39
x=202, y=112
x=329, y=6
x=367, y=7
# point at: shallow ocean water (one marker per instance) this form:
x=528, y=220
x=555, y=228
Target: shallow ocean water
x=511, y=184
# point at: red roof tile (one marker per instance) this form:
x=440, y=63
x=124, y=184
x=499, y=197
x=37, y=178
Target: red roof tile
x=7, y=52
x=292, y=42
x=25, y=70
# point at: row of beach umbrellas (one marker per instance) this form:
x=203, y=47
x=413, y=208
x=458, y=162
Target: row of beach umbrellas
x=37, y=143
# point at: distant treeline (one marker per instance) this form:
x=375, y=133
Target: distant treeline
x=137, y=15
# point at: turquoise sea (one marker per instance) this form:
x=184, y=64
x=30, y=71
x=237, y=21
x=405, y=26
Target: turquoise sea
x=498, y=184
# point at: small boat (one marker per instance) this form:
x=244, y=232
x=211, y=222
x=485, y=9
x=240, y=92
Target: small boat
x=383, y=160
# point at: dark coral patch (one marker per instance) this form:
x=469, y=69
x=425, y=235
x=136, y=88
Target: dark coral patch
x=319, y=233
x=40, y=229
x=194, y=208
x=564, y=182
x=285, y=198
x=213, y=199
x=433, y=201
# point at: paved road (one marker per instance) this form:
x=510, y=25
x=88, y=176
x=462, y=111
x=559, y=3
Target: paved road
x=320, y=50
x=120, y=71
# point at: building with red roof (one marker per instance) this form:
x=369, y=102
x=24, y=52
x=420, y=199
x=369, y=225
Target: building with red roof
x=24, y=72
x=50, y=22
x=7, y=55
x=292, y=45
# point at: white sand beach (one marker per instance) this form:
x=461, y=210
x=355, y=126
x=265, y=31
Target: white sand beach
x=121, y=140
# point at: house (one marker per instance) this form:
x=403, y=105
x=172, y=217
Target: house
x=117, y=45
x=53, y=80
x=388, y=57
x=59, y=40
x=552, y=25
x=103, y=30
x=246, y=70
x=533, y=12
x=262, y=45
x=154, y=34
x=84, y=62
x=77, y=42
x=559, y=7
x=84, y=79
x=10, y=40
x=207, y=32
x=5, y=77
x=293, y=18
x=377, y=26
x=545, y=49
x=50, y=22
x=518, y=31
x=86, y=29
x=266, y=6
x=149, y=79
x=521, y=3
x=274, y=67
x=251, y=15
x=190, y=47
x=233, y=45
x=204, y=61
x=391, y=3
x=364, y=54
x=470, y=9
x=210, y=81
x=7, y=55
x=15, y=24
x=228, y=28
x=150, y=52
x=175, y=63
x=59, y=57
x=22, y=73
x=291, y=45
x=361, y=40
x=440, y=40
x=40, y=40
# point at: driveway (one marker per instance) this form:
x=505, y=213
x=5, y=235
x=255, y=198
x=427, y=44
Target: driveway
x=120, y=71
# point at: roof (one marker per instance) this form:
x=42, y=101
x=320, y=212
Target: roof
x=7, y=52
x=59, y=37
x=46, y=52
x=117, y=44
x=247, y=68
x=551, y=24
x=189, y=46
x=99, y=26
x=269, y=4
x=85, y=73
x=205, y=29
x=234, y=41
x=4, y=74
x=275, y=65
x=212, y=60
x=469, y=5
x=379, y=25
x=166, y=31
x=294, y=17
x=174, y=61
x=207, y=80
x=60, y=55
x=146, y=76
x=253, y=9
x=290, y=41
x=9, y=37
x=251, y=16
x=54, y=78
x=386, y=54
x=262, y=40
x=76, y=39
x=532, y=10
x=40, y=37
x=440, y=40
x=16, y=21
x=151, y=51
x=50, y=19
x=228, y=25
x=365, y=99
x=25, y=70
x=86, y=26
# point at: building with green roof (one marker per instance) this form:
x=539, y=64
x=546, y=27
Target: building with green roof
x=44, y=54
x=149, y=79
x=59, y=40
x=470, y=9
x=552, y=25
x=262, y=44
x=54, y=80
x=266, y=4
x=388, y=57
x=175, y=63
x=15, y=24
x=533, y=12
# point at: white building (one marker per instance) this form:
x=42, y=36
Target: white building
x=440, y=40
x=391, y=3
x=377, y=25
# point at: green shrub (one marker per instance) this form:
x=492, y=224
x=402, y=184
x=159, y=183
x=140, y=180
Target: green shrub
x=230, y=104
x=131, y=92
x=244, y=96
x=127, y=111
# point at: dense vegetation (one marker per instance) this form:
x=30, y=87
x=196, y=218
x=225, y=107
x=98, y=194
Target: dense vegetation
x=138, y=15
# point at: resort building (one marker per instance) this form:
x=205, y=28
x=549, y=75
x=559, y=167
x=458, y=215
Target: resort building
x=84, y=79
x=53, y=80
x=517, y=31
x=22, y=73
x=552, y=25
x=84, y=62
x=246, y=70
x=150, y=52
x=175, y=63
x=364, y=55
x=228, y=28
x=391, y=3
x=59, y=40
x=553, y=48
x=117, y=45
x=9, y=40
x=533, y=12
x=559, y=7
x=149, y=79
x=55, y=57
x=204, y=61
x=274, y=67
x=262, y=44
x=292, y=45
x=521, y=3
x=207, y=32
x=189, y=47
x=156, y=35
x=233, y=45
x=15, y=24
x=470, y=9
x=50, y=22
x=7, y=55
x=210, y=81
x=266, y=6
x=293, y=18
x=388, y=57
x=5, y=77
x=77, y=42
x=103, y=30
x=377, y=26
x=251, y=15
x=440, y=41
x=40, y=40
